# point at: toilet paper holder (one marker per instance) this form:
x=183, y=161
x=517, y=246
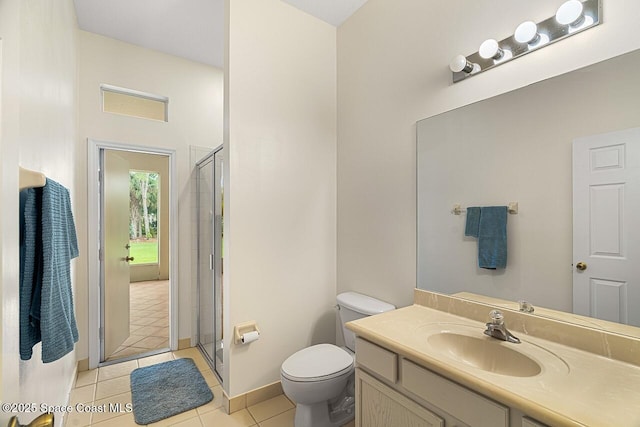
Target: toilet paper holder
x=244, y=328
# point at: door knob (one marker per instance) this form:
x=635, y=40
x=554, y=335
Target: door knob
x=128, y=258
x=581, y=266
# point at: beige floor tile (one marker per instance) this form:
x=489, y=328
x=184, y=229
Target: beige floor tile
x=193, y=353
x=147, y=330
x=161, y=322
x=162, y=332
x=82, y=394
x=126, y=420
x=122, y=399
x=270, y=408
x=143, y=321
x=215, y=403
x=112, y=387
x=155, y=314
x=77, y=419
x=219, y=418
x=132, y=340
x=283, y=420
x=87, y=377
x=192, y=422
x=152, y=360
x=210, y=377
x=184, y=416
x=127, y=351
x=116, y=370
x=150, y=342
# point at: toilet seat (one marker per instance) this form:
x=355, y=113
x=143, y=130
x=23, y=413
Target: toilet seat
x=317, y=363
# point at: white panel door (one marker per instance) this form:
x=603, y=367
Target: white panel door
x=116, y=251
x=606, y=226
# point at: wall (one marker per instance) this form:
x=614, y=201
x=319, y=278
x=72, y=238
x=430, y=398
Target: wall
x=195, y=117
x=392, y=71
x=38, y=131
x=280, y=186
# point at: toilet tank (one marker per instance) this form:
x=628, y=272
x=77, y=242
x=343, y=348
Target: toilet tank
x=354, y=306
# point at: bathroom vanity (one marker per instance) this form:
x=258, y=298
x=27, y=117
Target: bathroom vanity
x=431, y=365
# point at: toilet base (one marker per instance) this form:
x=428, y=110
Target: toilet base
x=317, y=415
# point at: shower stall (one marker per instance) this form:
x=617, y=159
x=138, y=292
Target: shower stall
x=210, y=191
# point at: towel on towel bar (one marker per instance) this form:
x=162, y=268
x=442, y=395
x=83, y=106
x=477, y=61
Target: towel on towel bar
x=473, y=222
x=492, y=237
x=48, y=243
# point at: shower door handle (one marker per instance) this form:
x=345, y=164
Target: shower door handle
x=210, y=261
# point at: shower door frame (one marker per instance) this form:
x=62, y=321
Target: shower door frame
x=209, y=158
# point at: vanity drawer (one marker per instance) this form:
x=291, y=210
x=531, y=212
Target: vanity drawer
x=377, y=359
x=468, y=407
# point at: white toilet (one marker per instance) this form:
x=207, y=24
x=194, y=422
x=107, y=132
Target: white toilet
x=320, y=378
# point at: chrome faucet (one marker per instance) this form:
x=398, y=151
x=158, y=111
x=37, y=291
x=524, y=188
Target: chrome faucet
x=497, y=329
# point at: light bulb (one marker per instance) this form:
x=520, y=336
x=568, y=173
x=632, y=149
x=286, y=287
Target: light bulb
x=527, y=32
x=460, y=63
x=489, y=49
x=570, y=13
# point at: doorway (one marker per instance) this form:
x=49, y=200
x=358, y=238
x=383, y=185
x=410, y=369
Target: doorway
x=210, y=190
x=133, y=307
x=606, y=195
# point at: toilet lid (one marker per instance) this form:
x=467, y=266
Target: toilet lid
x=322, y=361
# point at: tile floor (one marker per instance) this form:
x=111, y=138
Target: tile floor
x=149, y=319
x=110, y=384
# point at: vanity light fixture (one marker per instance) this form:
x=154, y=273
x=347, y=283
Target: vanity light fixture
x=572, y=17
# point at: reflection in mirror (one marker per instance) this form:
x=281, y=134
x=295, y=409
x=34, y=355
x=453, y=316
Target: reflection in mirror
x=518, y=147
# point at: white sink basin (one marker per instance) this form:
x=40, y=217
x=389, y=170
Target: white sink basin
x=486, y=353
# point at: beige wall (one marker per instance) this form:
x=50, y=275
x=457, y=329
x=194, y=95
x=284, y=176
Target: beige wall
x=280, y=187
x=392, y=71
x=38, y=130
x=195, y=118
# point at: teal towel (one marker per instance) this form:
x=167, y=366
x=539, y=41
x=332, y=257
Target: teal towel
x=492, y=237
x=473, y=222
x=46, y=299
x=30, y=268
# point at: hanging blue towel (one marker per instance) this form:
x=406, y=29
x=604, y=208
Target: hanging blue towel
x=46, y=299
x=473, y=222
x=30, y=267
x=492, y=237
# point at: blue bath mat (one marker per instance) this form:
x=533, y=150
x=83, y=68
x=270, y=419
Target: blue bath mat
x=166, y=389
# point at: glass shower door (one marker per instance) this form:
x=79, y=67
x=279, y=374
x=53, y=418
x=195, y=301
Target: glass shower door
x=210, y=256
x=205, y=258
x=218, y=239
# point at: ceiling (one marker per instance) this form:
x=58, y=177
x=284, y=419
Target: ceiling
x=191, y=29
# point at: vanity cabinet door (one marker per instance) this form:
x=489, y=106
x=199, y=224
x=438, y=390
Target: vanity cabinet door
x=528, y=422
x=377, y=405
x=464, y=404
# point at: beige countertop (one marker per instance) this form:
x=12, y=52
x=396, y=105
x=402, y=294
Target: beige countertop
x=575, y=387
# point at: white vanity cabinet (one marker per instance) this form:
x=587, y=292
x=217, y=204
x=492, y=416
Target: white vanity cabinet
x=392, y=391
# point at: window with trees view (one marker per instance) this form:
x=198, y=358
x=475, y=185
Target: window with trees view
x=144, y=200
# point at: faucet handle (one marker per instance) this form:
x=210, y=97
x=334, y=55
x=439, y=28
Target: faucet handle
x=525, y=306
x=496, y=317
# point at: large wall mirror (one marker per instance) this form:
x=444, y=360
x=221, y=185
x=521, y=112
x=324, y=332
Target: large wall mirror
x=518, y=147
